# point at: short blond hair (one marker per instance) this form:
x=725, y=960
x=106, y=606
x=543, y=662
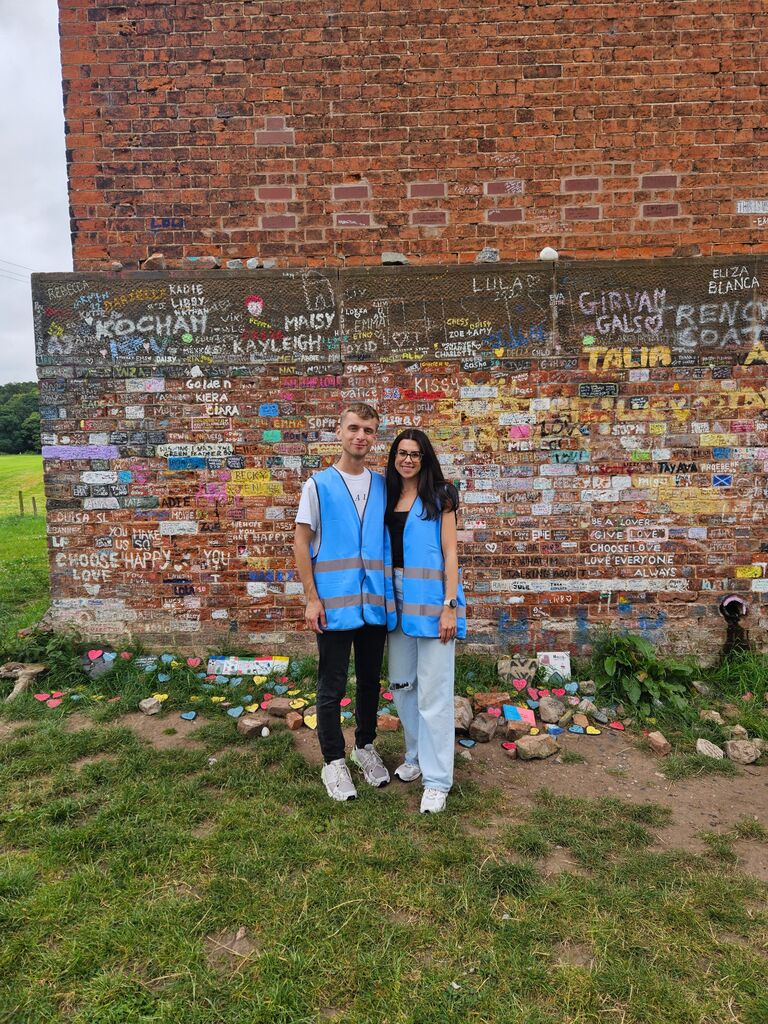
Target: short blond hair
x=365, y=412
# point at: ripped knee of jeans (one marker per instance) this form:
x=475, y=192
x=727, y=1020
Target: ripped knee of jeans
x=400, y=687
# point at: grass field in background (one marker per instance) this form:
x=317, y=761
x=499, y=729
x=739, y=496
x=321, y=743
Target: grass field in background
x=21, y=473
x=23, y=558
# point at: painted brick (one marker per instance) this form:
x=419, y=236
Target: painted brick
x=352, y=220
x=427, y=190
x=278, y=222
x=273, y=193
x=661, y=210
x=581, y=185
x=196, y=448
x=427, y=218
x=275, y=138
x=510, y=187
x=351, y=192
x=582, y=213
x=658, y=181
x=511, y=216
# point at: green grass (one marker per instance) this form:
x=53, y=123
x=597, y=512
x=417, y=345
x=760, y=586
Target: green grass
x=118, y=861
x=21, y=473
x=23, y=574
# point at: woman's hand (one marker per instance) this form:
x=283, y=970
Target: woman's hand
x=447, y=629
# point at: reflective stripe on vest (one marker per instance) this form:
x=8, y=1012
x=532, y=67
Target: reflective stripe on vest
x=424, y=577
x=353, y=566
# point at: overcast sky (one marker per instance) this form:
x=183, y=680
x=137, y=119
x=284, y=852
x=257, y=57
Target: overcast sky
x=34, y=220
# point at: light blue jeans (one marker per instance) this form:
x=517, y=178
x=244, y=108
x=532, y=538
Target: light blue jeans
x=421, y=674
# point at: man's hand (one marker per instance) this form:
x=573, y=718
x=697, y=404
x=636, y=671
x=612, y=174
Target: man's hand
x=314, y=615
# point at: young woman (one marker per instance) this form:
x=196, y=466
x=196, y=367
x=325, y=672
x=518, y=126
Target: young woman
x=421, y=518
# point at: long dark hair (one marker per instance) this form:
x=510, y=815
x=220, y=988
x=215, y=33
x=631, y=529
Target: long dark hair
x=436, y=493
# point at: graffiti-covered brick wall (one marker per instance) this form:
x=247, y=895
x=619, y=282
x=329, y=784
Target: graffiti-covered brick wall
x=607, y=425
x=327, y=133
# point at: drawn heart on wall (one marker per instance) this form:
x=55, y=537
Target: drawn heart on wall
x=491, y=547
x=653, y=323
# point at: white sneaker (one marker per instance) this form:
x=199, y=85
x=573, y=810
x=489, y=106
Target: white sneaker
x=408, y=772
x=338, y=781
x=433, y=801
x=370, y=764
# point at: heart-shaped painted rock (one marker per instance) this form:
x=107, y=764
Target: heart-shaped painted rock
x=42, y=696
x=496, y=712
x=193, y=662
x=166, y=658
x=386, y=695
x=466, y=743
x=75, y=696
x=57, y=693
x=188, y=716
x=534, y=731
x=126, y=655
x=247, y=698
x=571, y=687
x=386, y=710
x=519, y=684
x=616, y=725
x=345, y=702
x=253, y=707
x=94, y=655
x=264, y=705
x=293, y=693
x=259, y=680
x=300, y=703
x=283, y=679
x=533, y=704
x=533, y=693
x=217, y=700
x=558, y=691
x=53, y=702
x=109, y=656
x=268, y=697
x=345, y=715
x=280, y=690
x=162, y=677
x=310, y=721
x=578, y=729
x=235, y=712
x=592, y=731
x=543, y=693
x=200, y=675
x=222, y=679
x=158, y=696
x=554, y=730
x=508, y=745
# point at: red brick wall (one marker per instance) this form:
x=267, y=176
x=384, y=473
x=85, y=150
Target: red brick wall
x=328, y=133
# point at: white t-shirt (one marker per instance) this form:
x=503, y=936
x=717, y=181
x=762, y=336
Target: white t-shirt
x=359, y=484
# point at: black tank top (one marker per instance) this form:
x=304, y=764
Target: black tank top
x=396, y=525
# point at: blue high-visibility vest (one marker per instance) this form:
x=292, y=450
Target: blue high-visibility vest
x=353, y=565
x=424, y=577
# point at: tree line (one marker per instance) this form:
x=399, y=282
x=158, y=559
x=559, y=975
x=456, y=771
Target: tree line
x=19, y=418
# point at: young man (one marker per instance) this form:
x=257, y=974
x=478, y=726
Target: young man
x=344, y=562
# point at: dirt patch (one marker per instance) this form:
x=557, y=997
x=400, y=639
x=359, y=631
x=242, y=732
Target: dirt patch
x=307, y=744
x=229, y=950
x=559, y=861
x=78, y=722
x=152, y=729
x=204, y=828
x=573, y=954
x=92, y=759
x=753, y=859
x=8, y=729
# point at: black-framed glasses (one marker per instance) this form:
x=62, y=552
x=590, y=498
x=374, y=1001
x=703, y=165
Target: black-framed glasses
x=408, y=456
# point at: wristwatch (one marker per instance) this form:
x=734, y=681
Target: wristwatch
x=451, y=603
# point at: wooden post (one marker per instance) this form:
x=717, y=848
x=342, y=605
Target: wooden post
x=21, y=504
x=34, y=506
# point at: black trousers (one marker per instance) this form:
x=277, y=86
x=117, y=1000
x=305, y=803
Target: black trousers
x=334, y=647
